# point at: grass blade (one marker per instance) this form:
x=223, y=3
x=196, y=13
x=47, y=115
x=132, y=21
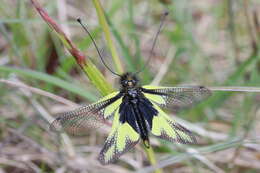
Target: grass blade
x=105, y=27
x=52, y=80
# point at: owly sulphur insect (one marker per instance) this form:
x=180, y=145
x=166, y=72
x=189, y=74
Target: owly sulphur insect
x=136, y=112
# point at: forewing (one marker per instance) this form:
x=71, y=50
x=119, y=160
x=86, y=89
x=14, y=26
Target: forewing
x=121, y=139
x=166, y=128
x=176, y=98
x=79, y=121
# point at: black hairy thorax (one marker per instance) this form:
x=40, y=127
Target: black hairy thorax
x=136, y=109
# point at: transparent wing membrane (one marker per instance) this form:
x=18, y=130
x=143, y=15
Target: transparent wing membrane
x=79, y=121
x=176, y=98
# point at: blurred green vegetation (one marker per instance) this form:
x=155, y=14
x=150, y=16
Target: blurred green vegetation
x=212, y=43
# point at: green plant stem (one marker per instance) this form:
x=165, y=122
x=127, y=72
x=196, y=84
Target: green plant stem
x=83, y=61
x=125, y=50
x=105, y=27
x=150, y=154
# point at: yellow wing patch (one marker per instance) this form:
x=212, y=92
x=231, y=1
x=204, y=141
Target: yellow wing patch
x=164, y=127
x=153, y=87
x=110, y=109
x=121, y=138
x=155, y=98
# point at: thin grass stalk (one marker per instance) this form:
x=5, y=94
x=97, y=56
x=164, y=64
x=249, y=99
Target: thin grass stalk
x=235, y=89
x=202, y=151
x=105, y=27
x=69, y=148
x=232, y=30
x=125, y=49
x=38, y=91
x=150, y=154
x=51, y=80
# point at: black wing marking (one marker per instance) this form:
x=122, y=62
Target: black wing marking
x=80, y=120
x=166, y=128
x=176, y=98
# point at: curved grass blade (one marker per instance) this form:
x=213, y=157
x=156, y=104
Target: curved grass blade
x=184, y=156
x=52, y=80
x=105, y=27
x=125, y=50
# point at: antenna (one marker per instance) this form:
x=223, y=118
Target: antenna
x=154, y=41
x=85, y=28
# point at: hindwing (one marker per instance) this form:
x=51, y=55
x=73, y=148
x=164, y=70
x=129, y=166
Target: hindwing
x=121, y=138
x=166, y=128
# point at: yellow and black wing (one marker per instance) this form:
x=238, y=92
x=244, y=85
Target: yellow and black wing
x=176, y=98
x=166, y=128
x=78, y=121
x=121, y=138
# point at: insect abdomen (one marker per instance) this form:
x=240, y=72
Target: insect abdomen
x=142, y=125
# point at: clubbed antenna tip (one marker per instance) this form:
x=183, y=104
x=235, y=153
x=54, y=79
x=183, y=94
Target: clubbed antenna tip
x=79, y=20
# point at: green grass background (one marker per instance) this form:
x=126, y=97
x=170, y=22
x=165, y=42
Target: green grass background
x=211, y=43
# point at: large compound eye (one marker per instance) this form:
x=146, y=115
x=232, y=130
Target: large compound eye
x=125, y=82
